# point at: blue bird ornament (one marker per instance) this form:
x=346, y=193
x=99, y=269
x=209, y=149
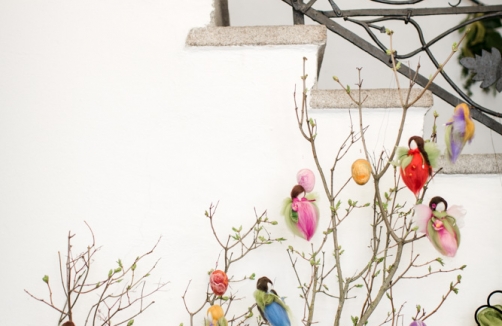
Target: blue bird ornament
x=271, y=307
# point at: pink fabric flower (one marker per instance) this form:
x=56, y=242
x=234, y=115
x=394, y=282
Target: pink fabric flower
x=306, y=179
x=219, y=282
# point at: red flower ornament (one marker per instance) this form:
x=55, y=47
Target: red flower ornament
x=219, y=282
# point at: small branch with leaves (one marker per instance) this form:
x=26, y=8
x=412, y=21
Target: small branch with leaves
x=122, y=294
x=392, y=227
x=235, y=247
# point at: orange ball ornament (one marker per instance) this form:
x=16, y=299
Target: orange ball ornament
x=215, y=313
x=361, y=171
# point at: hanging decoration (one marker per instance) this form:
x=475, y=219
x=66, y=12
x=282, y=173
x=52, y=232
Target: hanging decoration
x=218, y=281
x=300, y=211
x=416, y=162
x=440, y=224
x=459, y=130
x=271, y=307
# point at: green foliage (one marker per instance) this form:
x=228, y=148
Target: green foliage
x=481, y=35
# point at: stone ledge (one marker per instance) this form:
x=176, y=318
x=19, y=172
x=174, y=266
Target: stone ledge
x=257, y=35
x=377, y=98
x=472, y=164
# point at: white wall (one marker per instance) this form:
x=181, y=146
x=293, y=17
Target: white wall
x=342, y=58
x=106, y=117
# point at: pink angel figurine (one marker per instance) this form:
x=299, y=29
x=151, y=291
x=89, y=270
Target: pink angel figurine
x=441, y=224
x=300, y=210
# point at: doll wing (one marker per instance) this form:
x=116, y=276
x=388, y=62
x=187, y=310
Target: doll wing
x=291, y=221
x=422, y=216
x=433, y=153
x=458, y=213
x=401, y=155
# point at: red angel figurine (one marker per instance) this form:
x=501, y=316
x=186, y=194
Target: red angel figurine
x=416, y=162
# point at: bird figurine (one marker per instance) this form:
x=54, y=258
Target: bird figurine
x=215, y=316
x=271, y=307
x=440, y=224
x=416, y=162
x=300, y=211
x=459, y=130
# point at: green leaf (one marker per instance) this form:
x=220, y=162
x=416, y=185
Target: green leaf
x=46, y=279
x=130, y=322
x=117, y=270
x=133, y=267
x=252, y=276
x=110, y=273
x=120, y=263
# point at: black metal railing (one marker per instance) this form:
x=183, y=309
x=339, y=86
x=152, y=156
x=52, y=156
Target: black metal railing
x=405, y=15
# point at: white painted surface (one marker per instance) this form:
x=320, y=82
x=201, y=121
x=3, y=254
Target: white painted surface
x=342, y=57
x=106, y=117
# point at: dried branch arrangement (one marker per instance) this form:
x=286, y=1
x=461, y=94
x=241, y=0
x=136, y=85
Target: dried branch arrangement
x=122, y=294
x=235, y=247
x=393, y=229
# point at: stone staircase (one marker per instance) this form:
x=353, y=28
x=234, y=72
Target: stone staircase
x=315, y=37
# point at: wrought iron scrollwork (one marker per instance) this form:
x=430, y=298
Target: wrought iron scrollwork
x=403, y=2
x=377, y=49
